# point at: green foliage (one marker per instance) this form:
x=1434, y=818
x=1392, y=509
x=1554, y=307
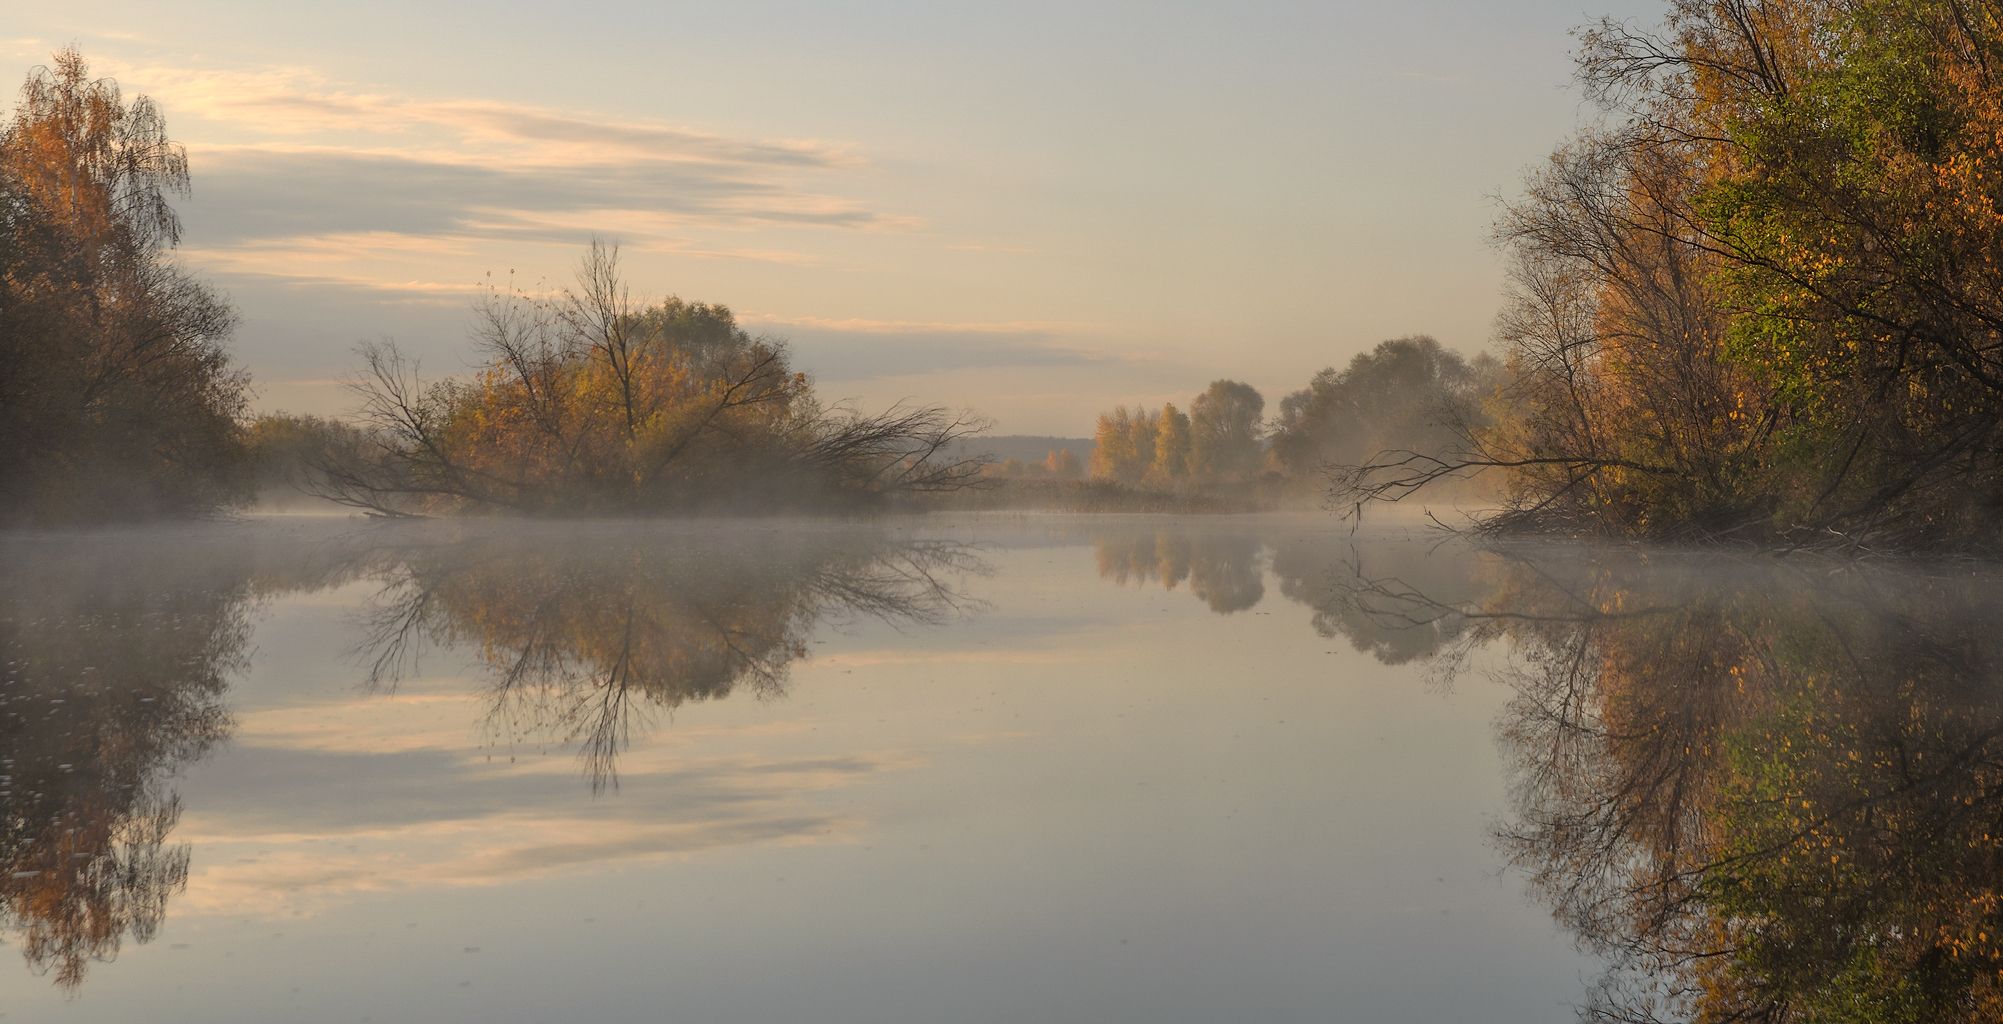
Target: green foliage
x=1773, y=799
x=1763, y=299
x=1858, y=221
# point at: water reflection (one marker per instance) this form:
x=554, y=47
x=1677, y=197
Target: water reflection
x=1315, y=566
x=582, y=635
x=1760, y=792
x=109, y=689
x=118, y=652
x=1223, y=570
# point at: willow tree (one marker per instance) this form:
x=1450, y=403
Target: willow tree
x=117, y=395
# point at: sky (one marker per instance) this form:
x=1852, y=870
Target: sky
x=1031, y=210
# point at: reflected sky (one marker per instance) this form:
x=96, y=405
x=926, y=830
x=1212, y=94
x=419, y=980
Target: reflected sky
x=978, y=768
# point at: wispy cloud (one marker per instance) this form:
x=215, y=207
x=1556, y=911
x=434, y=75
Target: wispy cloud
x=305, y=178
x=1004, y=250
x=246, y=191
x=301, y=102
x=868, y=326
x=860, y=347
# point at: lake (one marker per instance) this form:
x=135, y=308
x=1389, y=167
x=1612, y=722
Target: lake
x=981, y=768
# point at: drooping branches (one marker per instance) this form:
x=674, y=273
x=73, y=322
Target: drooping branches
x=117, y=396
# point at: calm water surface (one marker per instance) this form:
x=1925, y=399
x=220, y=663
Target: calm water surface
x=966, y=769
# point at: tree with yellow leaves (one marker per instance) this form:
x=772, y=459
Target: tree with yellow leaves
x=590, y=403
x=1760, y=298
x=117, y=395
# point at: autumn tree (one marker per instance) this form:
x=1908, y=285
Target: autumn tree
x=1225, y=427
x=1114, y=453
x=1062, y=463
x=1758, y=299
x=287, y=449
x=590, y=402
x=1171, y=449
x=1142, y=424
x=1219, y=443
x=117, y=395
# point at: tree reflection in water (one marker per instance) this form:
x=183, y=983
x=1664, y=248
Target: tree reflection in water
x=1761, y=792
x=117, y=651
x=1314, y=566
x=583, y=635
x=1223, y=570
x=115, y=667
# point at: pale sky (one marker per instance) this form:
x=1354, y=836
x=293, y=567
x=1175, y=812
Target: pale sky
x=1034, y=210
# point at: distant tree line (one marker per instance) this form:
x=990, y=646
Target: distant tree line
x=1057, y=464
x=1219, y=439
x=1410, y=392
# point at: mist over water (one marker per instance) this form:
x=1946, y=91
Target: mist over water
x=965, y=767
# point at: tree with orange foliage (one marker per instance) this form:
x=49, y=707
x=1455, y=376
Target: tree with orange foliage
x=1763, y=298
x=590, y=403
x=117, y=395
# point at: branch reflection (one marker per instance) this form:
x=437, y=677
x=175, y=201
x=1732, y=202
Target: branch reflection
x=117, y=652
x=582, y=638
x=1760, y=792
x=109, y=687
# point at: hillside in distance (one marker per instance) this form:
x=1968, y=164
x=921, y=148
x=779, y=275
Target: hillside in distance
x=1027, y=447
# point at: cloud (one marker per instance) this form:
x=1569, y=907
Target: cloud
x=860, y=348
x=298, y=101
x=1004, y=250
x=245, y=192
x=404, y=224
x=302, y=177
x=862, y=325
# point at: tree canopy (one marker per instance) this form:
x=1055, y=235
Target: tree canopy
x=589, y=403
x=118, y=398
x=1759, y=299
x=1409, y=392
